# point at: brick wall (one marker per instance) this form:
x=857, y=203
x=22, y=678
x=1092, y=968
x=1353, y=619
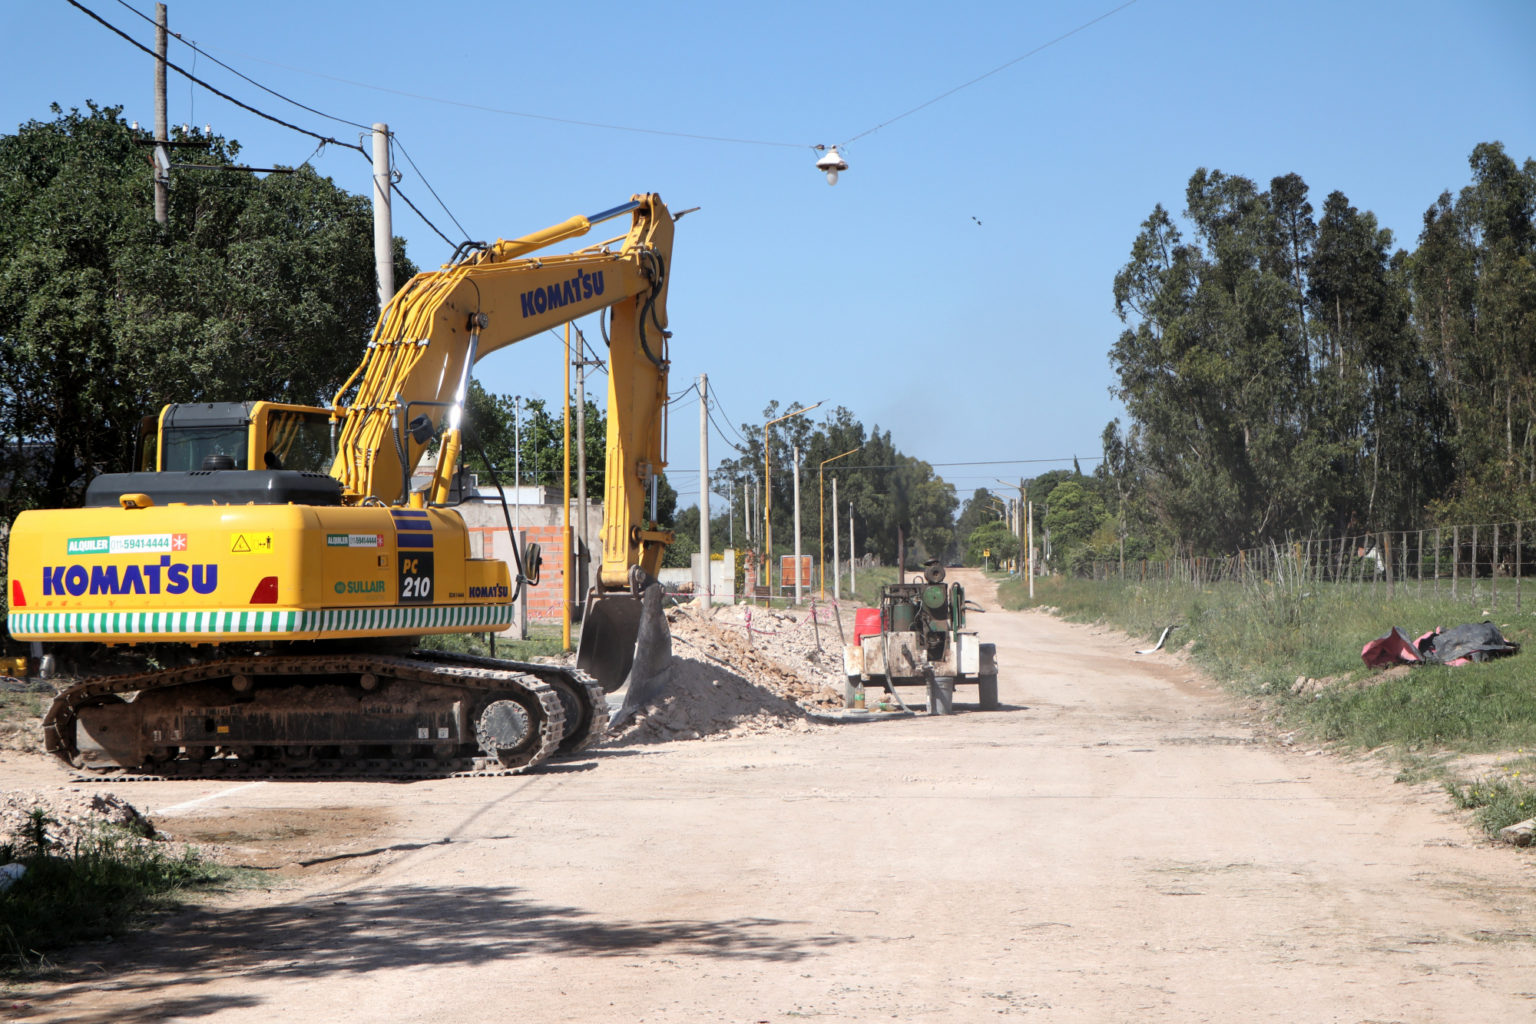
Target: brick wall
x=541, y=524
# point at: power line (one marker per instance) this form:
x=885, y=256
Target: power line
x=536, y=117
x=723, y=437
x=995, y=462
x=217, y=92
x=966, y=85
x=547, y=117
x=395, y=141
x=286, y=99
x=396, y=190
x=713, y=397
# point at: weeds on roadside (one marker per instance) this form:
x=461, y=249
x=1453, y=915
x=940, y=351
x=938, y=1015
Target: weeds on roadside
x=90, y=889
x=1497, y=802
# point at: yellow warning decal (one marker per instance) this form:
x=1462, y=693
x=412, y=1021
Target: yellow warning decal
x=250, y=543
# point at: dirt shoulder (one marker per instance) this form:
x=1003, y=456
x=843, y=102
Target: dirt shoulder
x=1117, y=843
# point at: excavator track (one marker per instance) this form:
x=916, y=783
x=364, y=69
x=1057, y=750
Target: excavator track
x=584, y=701
x=527, y=704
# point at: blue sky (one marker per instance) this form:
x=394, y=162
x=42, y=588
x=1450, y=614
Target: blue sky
x=969, y=341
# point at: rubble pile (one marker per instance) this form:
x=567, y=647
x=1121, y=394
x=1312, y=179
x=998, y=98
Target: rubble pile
x=71, y=815
x=725, y=683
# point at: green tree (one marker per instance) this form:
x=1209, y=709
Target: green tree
x=893, y=495
x=502, y=428
x=1474, y=282
x=993, y=536
x=980, y=508
x=258, y=287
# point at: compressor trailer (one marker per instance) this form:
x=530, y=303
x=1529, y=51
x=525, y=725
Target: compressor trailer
x=921, y=640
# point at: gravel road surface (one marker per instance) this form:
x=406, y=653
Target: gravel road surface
x=1117, y=843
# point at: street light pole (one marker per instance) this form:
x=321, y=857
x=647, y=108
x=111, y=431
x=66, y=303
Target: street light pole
x=768, y=499
x=821, y=518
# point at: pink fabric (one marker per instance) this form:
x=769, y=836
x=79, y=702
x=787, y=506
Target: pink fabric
x=1393, y=649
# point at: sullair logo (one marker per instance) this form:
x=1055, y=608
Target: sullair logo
x=360, y=587
x=563, y=293
x=494, y=591
x=159, y=577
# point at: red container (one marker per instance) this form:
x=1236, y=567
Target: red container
x=866, y=622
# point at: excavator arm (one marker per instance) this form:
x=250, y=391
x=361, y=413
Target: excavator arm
x=415, y=373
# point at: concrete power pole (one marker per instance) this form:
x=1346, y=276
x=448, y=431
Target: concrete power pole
x=797, y=524
x=1030, y=520
x=162, y=127
x=706, y=582
x=837, y=560
x=383, y=231
x=1018, y=527
x=853, y=555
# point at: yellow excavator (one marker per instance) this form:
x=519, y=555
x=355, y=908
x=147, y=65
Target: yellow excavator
x=262, y=577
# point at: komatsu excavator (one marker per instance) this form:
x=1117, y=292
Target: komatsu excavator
x=264, y=574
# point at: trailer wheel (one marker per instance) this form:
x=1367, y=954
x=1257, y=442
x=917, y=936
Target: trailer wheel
x=986, y=690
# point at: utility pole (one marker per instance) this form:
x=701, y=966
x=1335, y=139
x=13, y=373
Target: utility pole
x=162, y=127
x=706, y=582
x=1019, y=522
x=565, y=534
x=383, y=231
x=797, y=524
x=853, y=556
x=1031, y=561
x=730, y=517
x=837, y=561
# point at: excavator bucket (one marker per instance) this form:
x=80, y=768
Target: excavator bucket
x=625, y=643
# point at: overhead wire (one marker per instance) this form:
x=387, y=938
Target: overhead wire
x=1001, y=67
x=323, y=139
x=216, y=91
x=394, y=141
x=608, y=126
x=527, y=114
x=286, y=99
x=715, y=398
x=722, y=434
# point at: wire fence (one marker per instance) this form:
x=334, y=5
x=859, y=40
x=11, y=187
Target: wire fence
x=1480, y=563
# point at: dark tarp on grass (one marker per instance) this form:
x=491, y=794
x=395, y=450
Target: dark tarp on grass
x=1459, y=645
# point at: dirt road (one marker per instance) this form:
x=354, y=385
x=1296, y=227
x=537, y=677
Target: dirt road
x=1114, y=845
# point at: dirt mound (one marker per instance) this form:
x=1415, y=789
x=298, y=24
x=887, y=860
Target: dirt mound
x=727, y=683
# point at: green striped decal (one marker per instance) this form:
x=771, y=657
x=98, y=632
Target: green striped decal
x=330, y=620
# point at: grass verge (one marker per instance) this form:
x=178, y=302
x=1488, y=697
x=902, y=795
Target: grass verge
x=105, y=881
x=1260, y=638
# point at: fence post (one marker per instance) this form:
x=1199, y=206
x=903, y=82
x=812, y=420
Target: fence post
x=1386, y=561
x=1493, y=570
x=1518, y=554
x=1421, y=562
x=1436, y=561
x=1472, y=572
x=1455, y=559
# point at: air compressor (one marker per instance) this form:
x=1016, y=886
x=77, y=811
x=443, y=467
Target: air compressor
x=920, y=639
